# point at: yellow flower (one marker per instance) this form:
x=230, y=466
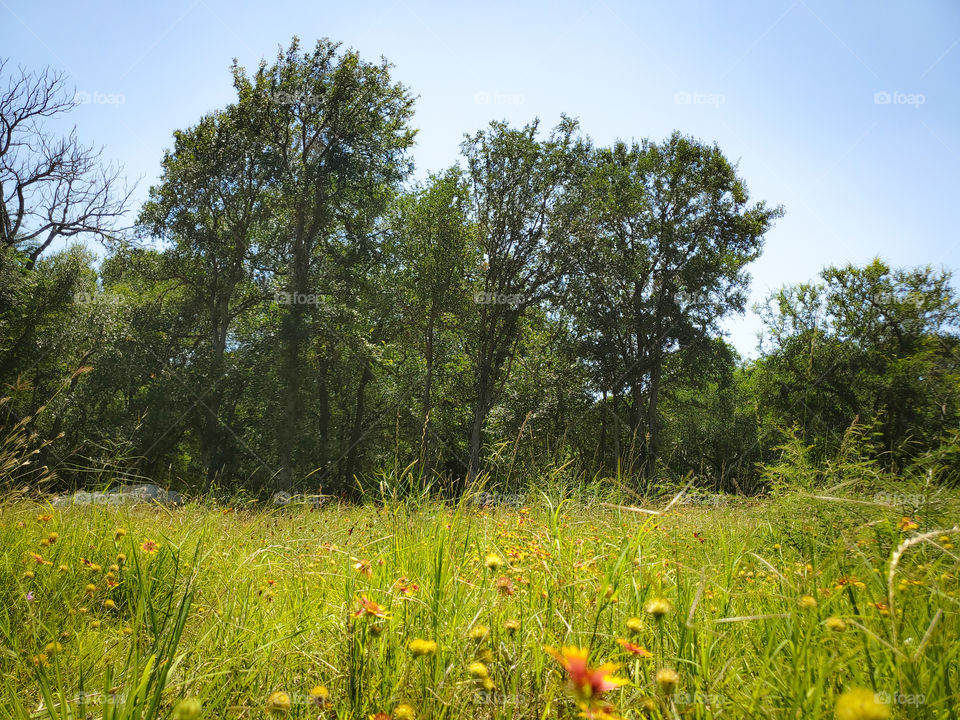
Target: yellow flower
x=53, y=648
x=511, y=626
x=861, y=704
x=635, y=625
x=278, y=703
x=320, y=696
x=478, y=670
x=658, y=607
x=149, y=546
x=479, y=633
x=119, y=533
x=403, y=712
x=836, y=624
x=109, y=604
x=419, y=647
x=667, y=679
x=807, y=602
x=189, y=709
x=29, y=574
x=493, y=562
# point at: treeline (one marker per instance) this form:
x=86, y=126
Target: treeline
x=291, y=311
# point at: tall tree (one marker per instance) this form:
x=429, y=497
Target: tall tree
x=335, y=130
x=50, y=187
x=212, y=206
x=521, y=195
x=665, y=245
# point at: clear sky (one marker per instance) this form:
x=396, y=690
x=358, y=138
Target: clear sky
x=847, y=113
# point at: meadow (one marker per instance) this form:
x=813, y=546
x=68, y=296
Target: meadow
x=700, y=606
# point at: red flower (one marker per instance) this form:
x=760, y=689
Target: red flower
x=586, y=683
x=637, y=650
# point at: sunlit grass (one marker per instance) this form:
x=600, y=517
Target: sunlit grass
x=762, y=609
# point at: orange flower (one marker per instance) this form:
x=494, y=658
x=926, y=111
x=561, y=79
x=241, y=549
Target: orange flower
x=363, y=567
x=637, y=650
x=906, y=525
x=369, y=607
x=504, y=585
x=586, y=683
x=149, y=546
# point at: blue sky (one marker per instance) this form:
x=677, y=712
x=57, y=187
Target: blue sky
x=846, y=113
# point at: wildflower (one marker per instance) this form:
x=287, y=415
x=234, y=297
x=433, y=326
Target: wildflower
x=667, y=679
x=478, y=670
x=504, y=585
x=109, y=604
x=419, y=647
x=637, y=650
x=189, y=709
x=149, y=546
x=121, y=558
x=906, y=524
x=403, y=712
x=114, y=568
x=658, y=607
x=363, y=567
x=635, y=626
x=53, y=648
x=119, y=533
x=380, y=716
x=406, y=587
x=836, y=624
x=28, y=597
x=586, y=683
x=320, y=696
x=90, y=589
x=29, y=575
x=278, y=703
x=479, y=633
x=44, y=518
x=493, y=562
x=807, y=602
x=53, y=537
x=127, y=630
x=861, y=704
x=64, y=568
x=95, y=624
x=369, y=607
x=511, y=626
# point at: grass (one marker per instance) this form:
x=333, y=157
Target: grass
x=250, y=610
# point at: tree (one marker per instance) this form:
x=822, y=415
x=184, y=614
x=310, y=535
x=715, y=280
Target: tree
x=212, y=205
x=521, y=196
x=50, y=187
x=661, y=261
x=335, y=133
x=431, y=246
